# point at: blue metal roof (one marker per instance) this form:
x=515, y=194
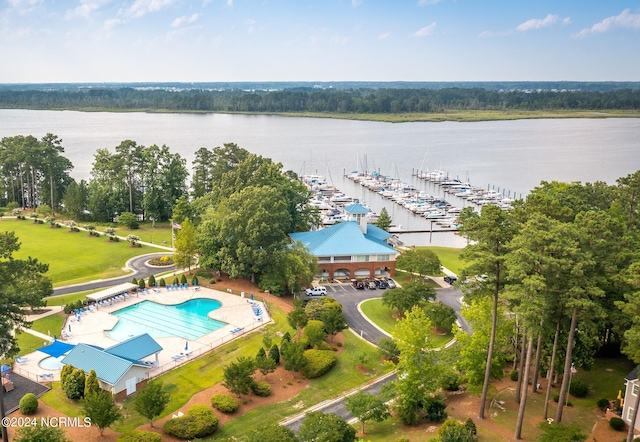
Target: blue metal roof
x=345, y=238
x=356, y=208
x=136, y=348
x=109, y=368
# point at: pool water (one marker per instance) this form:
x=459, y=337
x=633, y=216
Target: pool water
x=52, y=363
x=188, y=320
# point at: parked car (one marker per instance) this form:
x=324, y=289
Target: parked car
x=381, y=284
x=391, y=283
x=450, y=279
x=315, y=292
x=359, y=285
x=371, y=285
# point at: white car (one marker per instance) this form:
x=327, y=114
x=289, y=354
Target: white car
x=316, y=292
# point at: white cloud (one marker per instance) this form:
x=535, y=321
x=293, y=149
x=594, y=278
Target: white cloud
x=384, y=36
x=425, y=31
x=229, y=2
x=249, y=24
x=85, y=9
x=490, y=34
x=538, y=23
x=184, y=20
x=428, y=2
x=566, y=21
x=625, y=20
x=140, y=8
x=356, y=3
x=111, y=23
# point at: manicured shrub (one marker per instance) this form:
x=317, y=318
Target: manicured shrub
x=134, y=281
x=434, y=410
x=175, y=281
x=152, y=281
x=183, y=279
x=261, y=353
x=274, y=353
x=199, y=421
x=318, y=363
x=194, y=281
x=513, y=375
x=262, y=389
x=139, y=436
x=66, y=370
x=28, y=403
x=603, y=404
x=286, y=337
x=578, y=388
x=142, y=284
x=73, y=384
x=617, y=424
x=224, y=403
x=163, y=283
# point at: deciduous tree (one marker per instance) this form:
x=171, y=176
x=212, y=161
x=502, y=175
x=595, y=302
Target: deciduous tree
x=151, y=401
x=101, y=409
x=366, y=407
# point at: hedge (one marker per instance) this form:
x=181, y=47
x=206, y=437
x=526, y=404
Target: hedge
x=199, y=421
x=318, y=363
x=224, y=403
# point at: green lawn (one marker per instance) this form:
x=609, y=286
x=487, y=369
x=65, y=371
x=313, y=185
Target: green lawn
x=70, y=298
x=72, y=257
x=449, y=258
x=51, y=323
x=382, y=316
x=28, y=343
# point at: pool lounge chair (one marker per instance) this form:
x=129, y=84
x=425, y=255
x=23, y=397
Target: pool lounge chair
x=21, y=360
x=237, y=330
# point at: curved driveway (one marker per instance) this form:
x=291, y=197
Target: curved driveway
x=140, y=270
x=350, y=298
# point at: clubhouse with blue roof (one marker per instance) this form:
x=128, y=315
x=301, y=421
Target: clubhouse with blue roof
x=352, y=248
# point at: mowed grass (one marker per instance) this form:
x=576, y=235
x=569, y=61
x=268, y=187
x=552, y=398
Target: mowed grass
x=382, y=316
x=449, y=258
x=72, y=257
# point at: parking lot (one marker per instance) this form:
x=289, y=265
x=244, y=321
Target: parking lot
x=350, y=298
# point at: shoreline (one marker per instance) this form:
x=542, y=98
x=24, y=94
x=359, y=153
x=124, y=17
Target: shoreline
x=459, y=116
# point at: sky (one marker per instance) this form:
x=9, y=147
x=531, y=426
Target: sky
x=57, y=41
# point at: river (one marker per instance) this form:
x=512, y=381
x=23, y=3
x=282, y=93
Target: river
x=513, y=156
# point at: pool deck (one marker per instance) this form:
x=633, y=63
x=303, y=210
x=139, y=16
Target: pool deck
x=235, y=311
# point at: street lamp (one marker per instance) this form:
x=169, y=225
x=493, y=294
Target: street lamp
x=572, y=371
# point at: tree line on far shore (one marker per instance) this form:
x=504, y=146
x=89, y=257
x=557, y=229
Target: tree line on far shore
x=335, y=101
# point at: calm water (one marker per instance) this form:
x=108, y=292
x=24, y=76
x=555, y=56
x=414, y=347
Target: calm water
x=510, y=155
x=189, y=320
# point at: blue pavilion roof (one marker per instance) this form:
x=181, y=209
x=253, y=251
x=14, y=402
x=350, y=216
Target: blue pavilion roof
x=346, y=238
x=135, y=348
x=108, y=367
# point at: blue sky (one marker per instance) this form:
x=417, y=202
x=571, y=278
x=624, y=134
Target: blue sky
x=318, y=40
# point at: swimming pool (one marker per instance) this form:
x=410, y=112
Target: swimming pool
x=52, y=363
x=188, y=320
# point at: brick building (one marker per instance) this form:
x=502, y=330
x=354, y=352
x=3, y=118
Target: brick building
x=351, y=248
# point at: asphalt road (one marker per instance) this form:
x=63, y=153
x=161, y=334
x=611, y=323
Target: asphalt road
x=138, y=265
x=350, y=298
